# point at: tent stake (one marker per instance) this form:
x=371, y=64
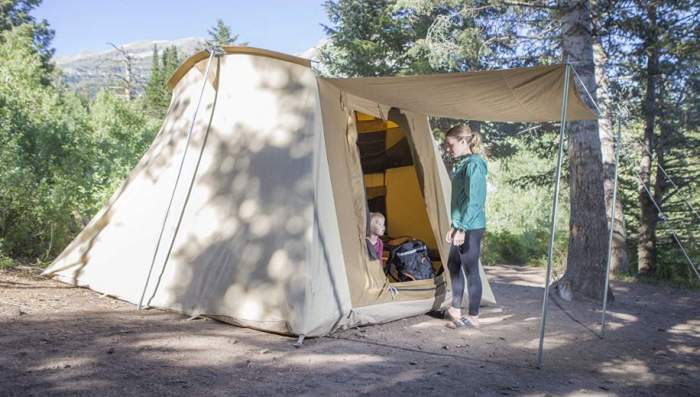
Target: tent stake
x=177, y=180
x=612, y=228
x=555, y=205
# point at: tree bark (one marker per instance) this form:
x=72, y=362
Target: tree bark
x=620, y=258
x=587, y=253
x=646, y=249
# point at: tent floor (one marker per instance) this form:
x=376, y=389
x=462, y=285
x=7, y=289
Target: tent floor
x=58, y=340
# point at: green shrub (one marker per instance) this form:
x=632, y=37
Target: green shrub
x=528, y=247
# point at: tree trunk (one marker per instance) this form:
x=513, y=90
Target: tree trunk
x=620, y=259
x=587, y=254
x=646, y=250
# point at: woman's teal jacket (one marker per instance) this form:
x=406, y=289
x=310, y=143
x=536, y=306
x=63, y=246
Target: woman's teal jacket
x=469, y=193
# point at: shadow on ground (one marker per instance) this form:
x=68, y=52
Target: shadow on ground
x=73, y=342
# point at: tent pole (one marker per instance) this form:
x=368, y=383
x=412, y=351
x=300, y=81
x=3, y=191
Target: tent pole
x=555, y=205
x=618, y=142
x=177, y=180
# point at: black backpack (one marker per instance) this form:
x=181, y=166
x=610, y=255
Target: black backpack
x=409, y=261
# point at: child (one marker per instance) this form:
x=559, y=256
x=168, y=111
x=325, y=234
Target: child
x=375, y=246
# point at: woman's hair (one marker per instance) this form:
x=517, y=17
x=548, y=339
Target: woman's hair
x=464, y=131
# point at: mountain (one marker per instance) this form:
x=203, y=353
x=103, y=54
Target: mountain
x=88, y=72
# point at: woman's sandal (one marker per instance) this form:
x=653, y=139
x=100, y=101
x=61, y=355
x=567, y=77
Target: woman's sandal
x=456, y=322
x=468, y=323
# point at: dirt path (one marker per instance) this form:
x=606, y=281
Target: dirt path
x=57, y=340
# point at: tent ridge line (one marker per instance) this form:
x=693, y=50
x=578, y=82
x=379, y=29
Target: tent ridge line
x=189, y=63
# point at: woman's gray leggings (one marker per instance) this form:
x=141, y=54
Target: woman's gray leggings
x=466, y=257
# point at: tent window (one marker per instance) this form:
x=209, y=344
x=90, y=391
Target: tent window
x=392, y=183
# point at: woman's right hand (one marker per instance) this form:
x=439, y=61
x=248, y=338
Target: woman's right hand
x=448, y=238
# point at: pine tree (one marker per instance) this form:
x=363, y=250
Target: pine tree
x=221, y=35
x=661, y=57
x=586, y=259
x=157, y=94
x=152, y=91
x=15, y=13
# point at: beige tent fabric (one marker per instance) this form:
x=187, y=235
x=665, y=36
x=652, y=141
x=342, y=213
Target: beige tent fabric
x=336, y=122
x=245, y=239
x=272, y=194
x=510, y=95
x=259, y=243
x=113, y=253
x=196, y=59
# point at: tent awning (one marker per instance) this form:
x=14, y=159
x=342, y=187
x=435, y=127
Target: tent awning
x=509, y=95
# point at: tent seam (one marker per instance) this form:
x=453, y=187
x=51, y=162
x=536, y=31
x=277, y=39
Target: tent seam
x=517, y=100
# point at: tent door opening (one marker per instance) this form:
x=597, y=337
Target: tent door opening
x=393, y=183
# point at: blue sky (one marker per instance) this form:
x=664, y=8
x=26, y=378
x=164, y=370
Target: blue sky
x=290, y=26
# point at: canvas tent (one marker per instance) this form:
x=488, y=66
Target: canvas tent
x=251, y=204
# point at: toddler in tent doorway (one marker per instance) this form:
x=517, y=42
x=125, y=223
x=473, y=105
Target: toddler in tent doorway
x=377, y=227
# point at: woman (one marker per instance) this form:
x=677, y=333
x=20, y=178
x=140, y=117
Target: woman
x=468, y=221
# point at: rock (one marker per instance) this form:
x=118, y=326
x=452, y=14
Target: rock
x=565, y=291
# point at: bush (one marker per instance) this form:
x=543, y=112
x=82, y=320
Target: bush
x=528, y=247
x=59, y=159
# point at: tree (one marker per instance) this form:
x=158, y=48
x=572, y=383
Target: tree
x=59, y=159
x=157, y=95
x=221, y=35
x=586, y=259
x=602, y=21
x=153, y=89
x=127, y=80
x=662, y=58
x=14, y=13
x=646, y=250
x=45, y=147
x=391, y=37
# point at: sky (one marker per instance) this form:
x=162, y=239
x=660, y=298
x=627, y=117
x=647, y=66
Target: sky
x=290, y=26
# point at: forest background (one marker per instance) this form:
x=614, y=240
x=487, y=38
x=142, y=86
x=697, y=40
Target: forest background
x=63, y=153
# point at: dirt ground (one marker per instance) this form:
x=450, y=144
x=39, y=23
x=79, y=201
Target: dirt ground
x=58, y=340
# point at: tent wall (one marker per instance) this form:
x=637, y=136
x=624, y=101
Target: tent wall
x=113, y=253
x=364, y=283
x=258, y=234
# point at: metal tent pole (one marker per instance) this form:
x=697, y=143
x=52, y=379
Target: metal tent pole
x=618, y=142
x=177, y=180
x=555, y=206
